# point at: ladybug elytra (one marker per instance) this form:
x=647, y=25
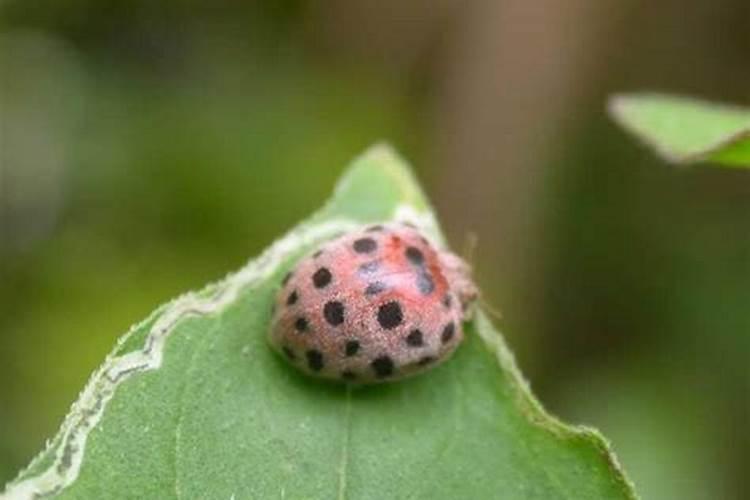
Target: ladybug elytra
x=376, y=304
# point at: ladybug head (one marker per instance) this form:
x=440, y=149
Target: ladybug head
x=458, y=273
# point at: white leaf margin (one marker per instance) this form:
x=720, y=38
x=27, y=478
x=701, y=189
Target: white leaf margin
x=69, y=444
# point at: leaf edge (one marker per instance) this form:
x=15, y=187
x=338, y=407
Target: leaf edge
x=615, y=109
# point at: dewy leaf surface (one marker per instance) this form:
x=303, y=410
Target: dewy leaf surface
x=686, y=130
x=193, y=404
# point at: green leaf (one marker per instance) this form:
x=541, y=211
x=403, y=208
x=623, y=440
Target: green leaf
x=685, y=130
x=193, y=404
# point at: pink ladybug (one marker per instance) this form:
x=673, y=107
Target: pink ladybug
x=376, y=304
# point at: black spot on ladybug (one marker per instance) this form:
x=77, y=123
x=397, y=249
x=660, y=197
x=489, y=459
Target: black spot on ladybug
x=415, y=256
x=351, y=347
x=333, y=312
x=383, y=366
x=425, y=285
x=448, y=332
x=415, y=338
x=364, y=245
x=390, y=315
x=301, y=324
x=314, y=360
x=426, y=360
x=348, y=375
x=368, y=267
x=292, y=298
x=374, y=228
x=447, y=301
x=289, y=353
x=317, y=254
x=322, y=277
x=375, y=288
x=286, y=278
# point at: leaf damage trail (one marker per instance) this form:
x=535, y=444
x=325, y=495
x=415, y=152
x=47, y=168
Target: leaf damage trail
x=89, y=409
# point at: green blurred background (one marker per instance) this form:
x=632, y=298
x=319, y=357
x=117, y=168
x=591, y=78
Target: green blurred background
x=147, y=148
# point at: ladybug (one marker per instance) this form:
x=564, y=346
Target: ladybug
x=376, y=304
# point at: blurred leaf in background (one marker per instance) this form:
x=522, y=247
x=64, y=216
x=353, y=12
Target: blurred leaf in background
x=686, y=130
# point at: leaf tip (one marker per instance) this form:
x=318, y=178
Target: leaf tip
x=620, y=106
x=381, y=153
x=623, y=109
x=615, y=102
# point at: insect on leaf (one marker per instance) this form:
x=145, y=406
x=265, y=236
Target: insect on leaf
x=192, y=402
